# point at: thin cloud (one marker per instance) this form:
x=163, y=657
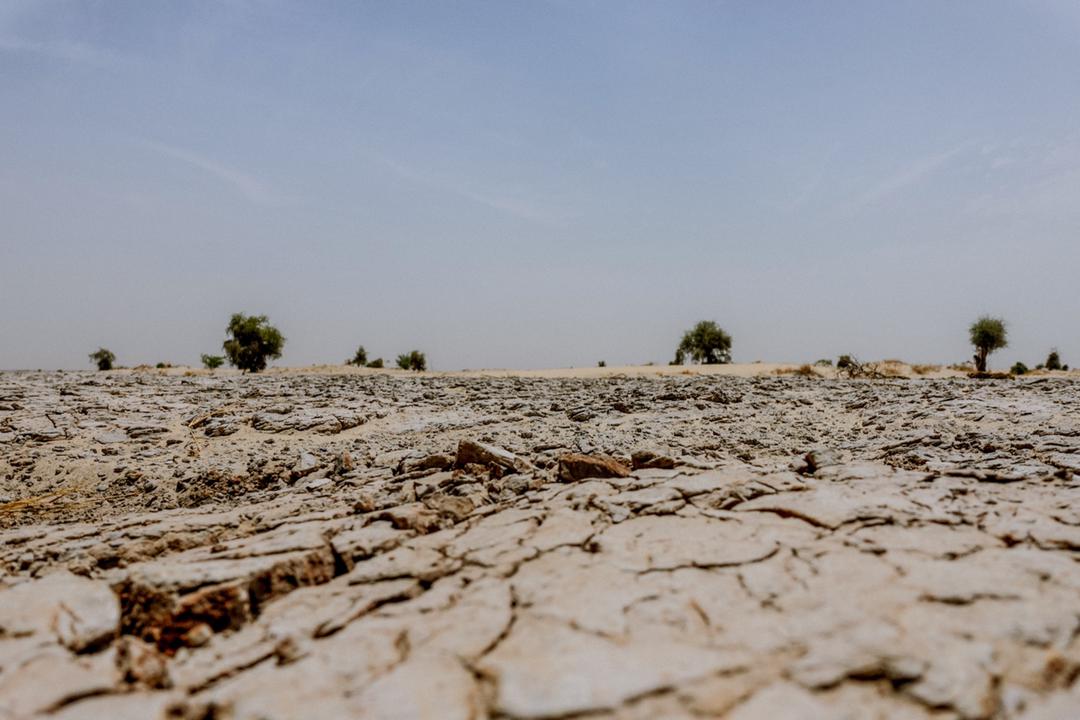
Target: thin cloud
x=912, y=174
x=16, y=16
x=249, y=186
x=496, y=201
x=66, y=51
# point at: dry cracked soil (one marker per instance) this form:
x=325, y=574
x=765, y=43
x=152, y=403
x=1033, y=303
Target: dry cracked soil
x=388, y=546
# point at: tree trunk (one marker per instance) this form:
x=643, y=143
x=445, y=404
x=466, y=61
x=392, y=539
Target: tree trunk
x=980, y=359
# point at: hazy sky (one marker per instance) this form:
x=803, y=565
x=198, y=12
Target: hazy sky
x=529, y=184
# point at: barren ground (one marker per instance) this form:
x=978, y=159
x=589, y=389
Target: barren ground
x=548, y=545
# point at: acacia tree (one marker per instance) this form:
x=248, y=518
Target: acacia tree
x=359, y=357
x=987, y=335
x=704, y=343
x=252, y=341
x=103, y=358
x=414, y=360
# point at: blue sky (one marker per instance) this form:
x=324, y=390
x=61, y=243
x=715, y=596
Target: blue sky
x=531, y=184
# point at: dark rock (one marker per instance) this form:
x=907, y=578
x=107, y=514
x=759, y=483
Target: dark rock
x=575, y=466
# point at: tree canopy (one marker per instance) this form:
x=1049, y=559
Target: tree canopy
x=987, y=335
x=704, y=343
x=103, y=358
x=359, y=357
x=252, y=341
x=414, y=360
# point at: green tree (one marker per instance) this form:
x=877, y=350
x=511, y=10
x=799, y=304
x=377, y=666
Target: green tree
x=252, y=342
x=1019, y=368
x=211, y=362
x=987, y=335
x=103, y=358
x=414, y=360
x=377, y=363
x=1053, y=360
x=704, y=343
x=359, y=357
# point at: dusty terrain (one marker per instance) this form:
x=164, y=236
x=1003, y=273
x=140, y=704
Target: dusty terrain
x=376, y=545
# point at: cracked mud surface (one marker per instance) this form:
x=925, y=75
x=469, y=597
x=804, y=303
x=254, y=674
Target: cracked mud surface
x=383, y=546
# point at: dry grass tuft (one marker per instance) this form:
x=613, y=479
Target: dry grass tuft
x=925, y=369
x=32, y=503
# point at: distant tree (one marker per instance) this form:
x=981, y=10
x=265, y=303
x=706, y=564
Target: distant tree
x=602, y=363
x=845, y=361
x=377, y=363
x=704, y=343
x=212, y=362
x=103, y=358
x=359, y=357
x=987, y=335
x=1053, y=360
x=252, y=342
x=414, y=360
x=1019, y=369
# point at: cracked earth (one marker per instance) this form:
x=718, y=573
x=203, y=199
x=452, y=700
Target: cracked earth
x=390, y=546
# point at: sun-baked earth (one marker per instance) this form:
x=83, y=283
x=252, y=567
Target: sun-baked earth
x=383, y=546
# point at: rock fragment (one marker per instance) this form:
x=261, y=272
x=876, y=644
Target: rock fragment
x=576, y=466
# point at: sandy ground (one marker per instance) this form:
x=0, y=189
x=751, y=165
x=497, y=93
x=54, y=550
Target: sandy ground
x=745, y=370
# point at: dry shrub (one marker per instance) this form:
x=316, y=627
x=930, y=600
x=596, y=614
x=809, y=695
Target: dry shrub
x=990, y=375
x=801, y=371
x=925, y=369
x=852, y=368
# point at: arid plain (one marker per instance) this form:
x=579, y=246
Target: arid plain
x=600, y=543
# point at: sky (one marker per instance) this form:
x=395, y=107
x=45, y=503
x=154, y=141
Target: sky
x=547, y=183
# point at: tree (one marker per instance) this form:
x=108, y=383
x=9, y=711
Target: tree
x=1053, y=360
x=253, y=340
x=1019, y=368
x=704, y=343
x=212, y=362
x=414, y=360
x=987, y=335
x=377, y=364
x=359, y=357
x=103, y=358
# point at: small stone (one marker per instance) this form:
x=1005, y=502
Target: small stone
x=575, y=466
x=198, y=635
x=470, y=452
x=305, y=465
x=642, y=459
x=343, y=463
x=318, y=483
x=580, y=414
x=820, y=458
x=456, y=508
x=430, y=462
x=141, y=664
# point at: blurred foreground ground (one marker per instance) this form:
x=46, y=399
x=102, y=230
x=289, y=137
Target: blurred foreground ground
x=595, y=543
